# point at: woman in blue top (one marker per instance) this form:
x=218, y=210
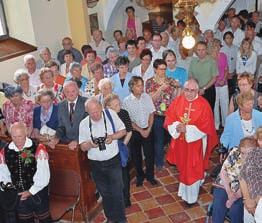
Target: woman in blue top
x=45, y=118
x=177, y=73
x=241, y=123
x=121, y=79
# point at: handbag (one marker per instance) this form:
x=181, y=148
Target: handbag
x=123, y=149
x=9, y=197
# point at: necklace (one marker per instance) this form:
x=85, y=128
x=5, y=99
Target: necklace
x=247, y=125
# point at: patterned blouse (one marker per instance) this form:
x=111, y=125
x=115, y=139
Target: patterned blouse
x=232, y=166
x=166, y=96
x=22, y=114
x=109, y=70
x=57, y=90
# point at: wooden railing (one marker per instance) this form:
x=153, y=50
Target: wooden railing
x=63, y=158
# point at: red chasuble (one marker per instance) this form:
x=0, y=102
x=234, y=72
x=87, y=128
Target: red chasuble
x=188, y=157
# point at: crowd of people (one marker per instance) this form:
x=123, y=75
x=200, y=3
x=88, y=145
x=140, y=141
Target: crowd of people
x=146, y=91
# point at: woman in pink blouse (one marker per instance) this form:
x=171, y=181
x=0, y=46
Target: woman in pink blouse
x=132, y=23
x=17, y=109
x=222, y=96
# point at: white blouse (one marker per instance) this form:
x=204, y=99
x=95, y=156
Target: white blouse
x=249, y=66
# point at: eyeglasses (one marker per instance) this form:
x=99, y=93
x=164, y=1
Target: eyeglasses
x=190, y=90
x=161, y=69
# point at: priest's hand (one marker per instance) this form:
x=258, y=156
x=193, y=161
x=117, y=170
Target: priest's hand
x=181, y=128
x=24, y=195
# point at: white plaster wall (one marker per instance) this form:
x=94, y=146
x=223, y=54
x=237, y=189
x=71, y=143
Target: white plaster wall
x=244, y=4
x=111, y=14
x=19, y=20
x=50, y=23
x=208, y=14
x=38, y=22
x=8, y=68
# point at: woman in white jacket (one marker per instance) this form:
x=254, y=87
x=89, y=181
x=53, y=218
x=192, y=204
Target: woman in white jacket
x=246, y=58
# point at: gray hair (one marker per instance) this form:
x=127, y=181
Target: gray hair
x=41, y=51
x=191, y=79
x=112, y=50
x=103, y=82
x=19, y=73
x=209, y=31
x=10, y=91
x=96, y=66
x=74, y=65
x=69, y=83
x=43, y=92
x=92, y=100
x=28, y=57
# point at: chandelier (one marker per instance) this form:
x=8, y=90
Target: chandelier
x=150, y=4
x=186, y=8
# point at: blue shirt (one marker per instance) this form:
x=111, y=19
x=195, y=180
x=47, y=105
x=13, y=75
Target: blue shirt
x=84, y=83
x=121, y=91
x=178, y=74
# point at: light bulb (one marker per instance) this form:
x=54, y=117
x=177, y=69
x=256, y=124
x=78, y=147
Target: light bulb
x=188, y=42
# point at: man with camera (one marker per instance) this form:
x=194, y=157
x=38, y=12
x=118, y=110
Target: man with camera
x=97, y=137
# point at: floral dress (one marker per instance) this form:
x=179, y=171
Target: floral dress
x=166, y=97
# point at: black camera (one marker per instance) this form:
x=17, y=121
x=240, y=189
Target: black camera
x=100, y=141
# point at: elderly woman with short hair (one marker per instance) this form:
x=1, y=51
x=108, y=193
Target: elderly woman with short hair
x=105, y=87
x=112, y=101
x=110, y=68
x=17, y=109
x=97, y=74
x=250, y=184
x=48, y=83
x=45, y=116
x=241, y=123
x=75, y=74
x=21, y=78
x=227, y=193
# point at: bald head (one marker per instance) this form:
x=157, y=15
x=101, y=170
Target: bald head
x=18, y=133
x=191, y=89
x=94, y=109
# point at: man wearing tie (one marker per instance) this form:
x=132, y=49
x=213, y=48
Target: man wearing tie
x=71, y=112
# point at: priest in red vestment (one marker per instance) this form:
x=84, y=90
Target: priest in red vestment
x=190, y=122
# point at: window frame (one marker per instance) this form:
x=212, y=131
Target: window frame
x=3, y=19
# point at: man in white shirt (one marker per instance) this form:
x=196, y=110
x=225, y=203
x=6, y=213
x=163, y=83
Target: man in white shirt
x=98, y=44
x=255, y=40
x=141, y=110
x=34, y=73
x=256, y=19
x=238, y=33
x=156, y=49
x=99, y=140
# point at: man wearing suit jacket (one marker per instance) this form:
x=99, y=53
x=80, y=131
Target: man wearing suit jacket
x=71, y=112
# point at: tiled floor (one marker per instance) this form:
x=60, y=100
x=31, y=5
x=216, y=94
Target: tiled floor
x=160, y=204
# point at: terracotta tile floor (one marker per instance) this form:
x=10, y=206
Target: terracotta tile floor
x=160, y=204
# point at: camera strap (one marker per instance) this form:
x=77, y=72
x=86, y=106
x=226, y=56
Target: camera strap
x=110, y=119
x=90, y=126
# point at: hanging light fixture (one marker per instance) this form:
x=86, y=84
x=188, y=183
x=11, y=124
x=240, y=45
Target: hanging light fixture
x=150, y=4
x=188, y=7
